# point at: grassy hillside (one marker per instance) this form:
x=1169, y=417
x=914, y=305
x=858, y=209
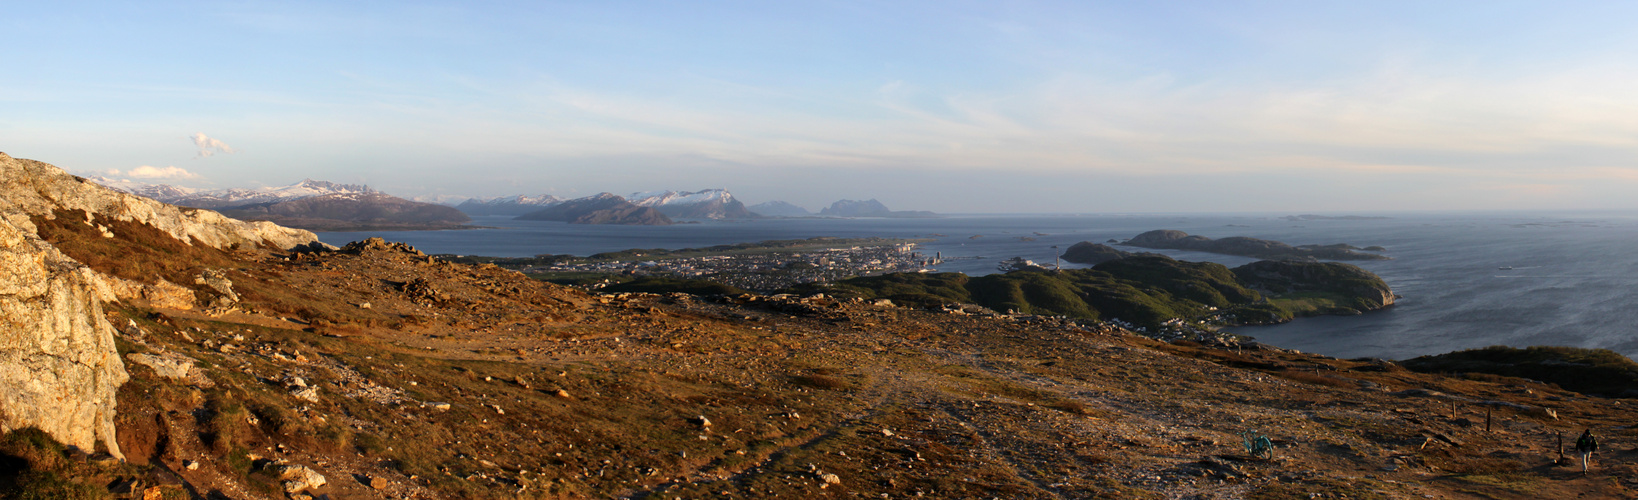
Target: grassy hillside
x=1593, y=371
x=1145, y=290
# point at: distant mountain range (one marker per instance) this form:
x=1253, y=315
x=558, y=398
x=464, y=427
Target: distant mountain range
x=510, y=205
x=603, y=208
x=329, y=206
x=309, y=204
x=704, y=204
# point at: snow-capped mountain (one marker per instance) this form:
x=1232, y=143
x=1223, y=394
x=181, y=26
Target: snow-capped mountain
x=159, y=192
x=602, y=208
x=509, y=205
x=232, y=197
x=704, y=204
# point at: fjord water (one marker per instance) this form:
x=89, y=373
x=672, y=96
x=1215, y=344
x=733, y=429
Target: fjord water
x=1573, y=279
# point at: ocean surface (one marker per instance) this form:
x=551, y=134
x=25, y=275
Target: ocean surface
x=1573, y=277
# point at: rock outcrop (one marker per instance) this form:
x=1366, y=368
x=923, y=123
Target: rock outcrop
x=29, y=187
x=59, y=369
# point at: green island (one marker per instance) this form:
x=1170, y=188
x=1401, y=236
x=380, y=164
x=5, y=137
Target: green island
x=1148, y=291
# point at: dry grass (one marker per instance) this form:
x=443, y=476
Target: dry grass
x=140, y=252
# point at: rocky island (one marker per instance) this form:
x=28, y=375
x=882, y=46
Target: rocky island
x=1247, y=247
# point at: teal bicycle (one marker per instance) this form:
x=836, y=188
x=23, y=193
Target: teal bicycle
x=1257, y=445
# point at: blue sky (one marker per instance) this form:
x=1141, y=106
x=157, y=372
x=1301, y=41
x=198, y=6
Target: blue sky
x=947, y=106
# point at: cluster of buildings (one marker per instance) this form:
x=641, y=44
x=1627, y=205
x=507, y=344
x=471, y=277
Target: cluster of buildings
x=766, y=270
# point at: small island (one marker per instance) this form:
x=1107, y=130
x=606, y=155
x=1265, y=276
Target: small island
x=1249, y=247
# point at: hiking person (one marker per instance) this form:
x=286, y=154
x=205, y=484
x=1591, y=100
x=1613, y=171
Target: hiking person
x=1585, y=446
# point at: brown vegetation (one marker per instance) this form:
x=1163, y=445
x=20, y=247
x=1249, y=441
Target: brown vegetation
x=556, y=393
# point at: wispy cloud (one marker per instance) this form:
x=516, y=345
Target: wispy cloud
x=208, y=146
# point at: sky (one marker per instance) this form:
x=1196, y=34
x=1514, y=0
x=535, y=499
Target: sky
x=950, y=106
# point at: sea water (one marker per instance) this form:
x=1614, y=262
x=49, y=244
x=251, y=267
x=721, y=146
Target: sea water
x=1573, y=277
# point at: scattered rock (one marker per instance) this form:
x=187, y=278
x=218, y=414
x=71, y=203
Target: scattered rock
x=309, y=394
x=298, y=478
x=171, y=366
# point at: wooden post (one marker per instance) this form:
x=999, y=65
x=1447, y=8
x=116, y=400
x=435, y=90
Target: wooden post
x=1560, y=446
x=1487, y=418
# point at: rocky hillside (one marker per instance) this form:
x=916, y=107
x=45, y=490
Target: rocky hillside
x=58, y=365
x=376, y=371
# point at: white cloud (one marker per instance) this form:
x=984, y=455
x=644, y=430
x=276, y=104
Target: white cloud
x=152, y=172
x=209, y=146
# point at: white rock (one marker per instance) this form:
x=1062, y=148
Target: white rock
x=309, y=394
x=299, y=478
x=171, y=366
